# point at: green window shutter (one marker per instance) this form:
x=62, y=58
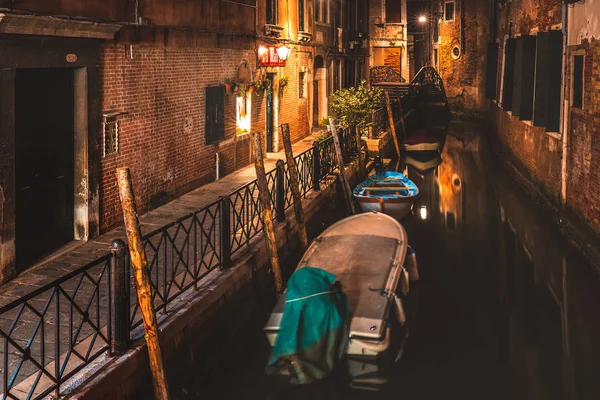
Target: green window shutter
x=527, y=78
x=541, y=80
x=554, y=86
x=492, y=71
x=509, y=74
x=214, y=127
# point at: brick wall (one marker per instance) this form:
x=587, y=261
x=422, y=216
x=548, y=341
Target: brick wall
x=464, y=78
x=537, y=151
x=161, y=90
x=583, y=178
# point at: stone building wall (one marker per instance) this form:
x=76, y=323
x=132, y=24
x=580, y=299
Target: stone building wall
x=464, y=73
x=583, y=155
x=537, y=151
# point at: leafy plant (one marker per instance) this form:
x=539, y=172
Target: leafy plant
x=283, y=82
x=260, y=85
x=325, y=120
x=230, y=81
x=241, y=89
x=353, y=106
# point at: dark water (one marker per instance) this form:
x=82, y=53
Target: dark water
x=506, y=309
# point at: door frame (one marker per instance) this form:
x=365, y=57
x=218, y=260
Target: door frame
x=17, y=51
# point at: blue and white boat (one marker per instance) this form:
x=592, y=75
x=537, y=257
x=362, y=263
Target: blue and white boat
x=388, y=192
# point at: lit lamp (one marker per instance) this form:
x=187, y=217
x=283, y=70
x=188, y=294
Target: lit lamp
x=422, y=19
x=284, y=52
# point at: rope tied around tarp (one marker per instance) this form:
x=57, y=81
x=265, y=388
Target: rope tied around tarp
x=335, y=288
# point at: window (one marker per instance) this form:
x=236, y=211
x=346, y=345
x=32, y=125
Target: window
x=214, y=128
x=449, y=11
x=548, y=80
x=436, y=31
x=577, y=82
x=110, y=131
x=301, y=26
x=322, y=11
x=301, y=83
x=393, y=11
x=523, y=81
x=492, y=71
x=509, y=73
x=272, y=12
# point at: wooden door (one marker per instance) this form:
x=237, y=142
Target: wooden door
x=44, y=162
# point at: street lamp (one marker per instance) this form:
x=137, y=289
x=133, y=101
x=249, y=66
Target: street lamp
x=284, y=52
x=422, y=19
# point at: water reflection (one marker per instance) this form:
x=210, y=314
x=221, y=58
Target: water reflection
x=506, y=310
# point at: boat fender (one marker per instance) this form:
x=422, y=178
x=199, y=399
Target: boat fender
x=410, y=263
x=404, y=281
x=400, y=314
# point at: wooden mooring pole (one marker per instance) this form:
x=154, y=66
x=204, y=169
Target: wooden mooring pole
x=267, y=212
x=392, y=125
x=294, y=185
x=338, y=151
x=139, y=265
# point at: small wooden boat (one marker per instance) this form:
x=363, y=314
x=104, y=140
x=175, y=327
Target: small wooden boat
x=425, y=140
x=388, y=192
x=370, y=258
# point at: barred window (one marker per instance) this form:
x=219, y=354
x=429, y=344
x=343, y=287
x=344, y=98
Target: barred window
x=301, y=83
x=110, y=129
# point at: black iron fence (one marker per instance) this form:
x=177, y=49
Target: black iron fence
x=50, y=334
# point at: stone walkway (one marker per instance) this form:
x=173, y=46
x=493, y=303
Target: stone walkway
x=27, y=349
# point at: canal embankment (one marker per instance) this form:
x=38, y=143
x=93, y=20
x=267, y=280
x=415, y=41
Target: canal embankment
x=224, y=301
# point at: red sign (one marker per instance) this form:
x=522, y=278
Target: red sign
x=268, y=57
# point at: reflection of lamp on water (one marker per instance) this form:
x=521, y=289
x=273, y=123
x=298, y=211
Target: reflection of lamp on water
x=423, y=212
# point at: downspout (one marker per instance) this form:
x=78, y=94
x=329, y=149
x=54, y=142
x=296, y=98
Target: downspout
x=565, y=111
x=462, y=28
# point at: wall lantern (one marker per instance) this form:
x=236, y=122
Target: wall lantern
x=268, y=57
x=284, y=52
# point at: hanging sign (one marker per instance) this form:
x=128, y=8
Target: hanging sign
x=268, y=57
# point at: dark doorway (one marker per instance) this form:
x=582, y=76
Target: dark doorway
x=44, y=162
x=270, y=125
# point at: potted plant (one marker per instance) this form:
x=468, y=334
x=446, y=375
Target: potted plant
x=283, y=82
x=353, y=106
x=260, y=85
x=229, y=85
x=325, y=122
x=241, y=89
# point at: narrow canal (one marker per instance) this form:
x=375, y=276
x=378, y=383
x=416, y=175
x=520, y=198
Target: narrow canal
x=505, y=309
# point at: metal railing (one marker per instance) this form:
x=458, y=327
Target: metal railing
x=51, y=333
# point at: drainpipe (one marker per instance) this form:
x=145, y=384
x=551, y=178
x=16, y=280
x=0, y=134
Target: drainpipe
x=216, y=166
x=565, y=112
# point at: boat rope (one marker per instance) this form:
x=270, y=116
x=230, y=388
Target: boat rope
x=308, y=297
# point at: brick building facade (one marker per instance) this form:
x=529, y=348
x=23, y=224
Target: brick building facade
x=86, y=87
x=458, y=32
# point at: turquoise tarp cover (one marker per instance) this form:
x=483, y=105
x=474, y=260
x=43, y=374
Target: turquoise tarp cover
x=314, y=327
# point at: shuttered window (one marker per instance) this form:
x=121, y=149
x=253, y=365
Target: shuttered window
x=523, y=82
x=492, y=71
x=509, y=73
x=548, y=80
x=577, y=96
x=214, y=128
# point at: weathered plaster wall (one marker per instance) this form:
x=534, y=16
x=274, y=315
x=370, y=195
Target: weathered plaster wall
x=584, y=22
x=583, y=152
